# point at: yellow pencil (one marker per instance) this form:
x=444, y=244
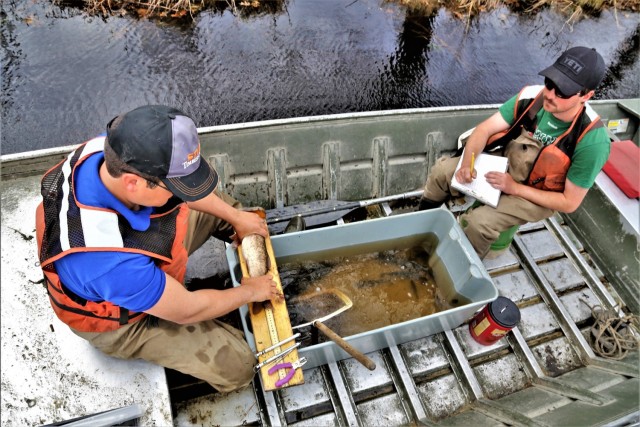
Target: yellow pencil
x=473, y=158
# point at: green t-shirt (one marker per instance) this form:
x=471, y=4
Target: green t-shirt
x=590, y=154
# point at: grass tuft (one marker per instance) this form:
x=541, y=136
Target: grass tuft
x=462, y=9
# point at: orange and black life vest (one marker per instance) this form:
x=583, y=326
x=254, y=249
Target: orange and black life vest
x=65, y=226
x=550, y=169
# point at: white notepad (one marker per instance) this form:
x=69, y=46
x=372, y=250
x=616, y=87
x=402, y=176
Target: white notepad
x=479, y=187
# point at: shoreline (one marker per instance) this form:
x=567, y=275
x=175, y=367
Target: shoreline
x=172, y=10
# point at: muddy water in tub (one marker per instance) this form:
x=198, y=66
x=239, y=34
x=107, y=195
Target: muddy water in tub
x=386, y=288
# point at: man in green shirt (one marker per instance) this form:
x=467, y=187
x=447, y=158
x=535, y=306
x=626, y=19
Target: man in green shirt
x=555, y=143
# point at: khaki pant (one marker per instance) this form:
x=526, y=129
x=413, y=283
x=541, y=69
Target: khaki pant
x=484, y=224
x=211, y=350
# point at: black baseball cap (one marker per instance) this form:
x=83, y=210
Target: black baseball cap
x=577, y=68
x=163, y=142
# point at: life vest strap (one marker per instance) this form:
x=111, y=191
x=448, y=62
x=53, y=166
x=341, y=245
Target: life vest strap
x=124, y=316
x=73, y=296
x=123, y=319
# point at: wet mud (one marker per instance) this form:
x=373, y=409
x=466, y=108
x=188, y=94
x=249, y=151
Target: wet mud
x=386, y=288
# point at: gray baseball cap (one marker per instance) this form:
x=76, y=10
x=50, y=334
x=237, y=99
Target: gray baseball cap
x=163, y=142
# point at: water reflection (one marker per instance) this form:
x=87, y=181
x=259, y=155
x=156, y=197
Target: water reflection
x=401, y=82
x=65, y=74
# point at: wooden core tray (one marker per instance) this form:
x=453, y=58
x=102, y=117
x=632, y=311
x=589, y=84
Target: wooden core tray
x=268, y=319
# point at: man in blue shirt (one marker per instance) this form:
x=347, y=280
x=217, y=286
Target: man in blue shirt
x=118, y=220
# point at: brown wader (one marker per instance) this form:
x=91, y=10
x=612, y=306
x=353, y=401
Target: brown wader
x=210, y=350
x=483, y=224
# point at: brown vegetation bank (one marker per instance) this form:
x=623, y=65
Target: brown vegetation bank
x=463, y=9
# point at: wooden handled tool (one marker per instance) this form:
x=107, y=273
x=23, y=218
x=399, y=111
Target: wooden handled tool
x=318, y=301
x=356, y=354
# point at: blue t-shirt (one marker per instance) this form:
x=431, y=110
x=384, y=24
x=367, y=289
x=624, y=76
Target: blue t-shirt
x=132, y=281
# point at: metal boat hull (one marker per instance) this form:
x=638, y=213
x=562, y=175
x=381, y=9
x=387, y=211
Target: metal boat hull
x=544, y=372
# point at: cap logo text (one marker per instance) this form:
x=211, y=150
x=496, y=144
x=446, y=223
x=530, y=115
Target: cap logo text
x=192, y=158
x=573, y=65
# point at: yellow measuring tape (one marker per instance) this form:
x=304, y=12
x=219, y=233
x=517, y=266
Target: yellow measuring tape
x=273, y=333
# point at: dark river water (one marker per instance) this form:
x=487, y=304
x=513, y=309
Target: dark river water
x=65, y=74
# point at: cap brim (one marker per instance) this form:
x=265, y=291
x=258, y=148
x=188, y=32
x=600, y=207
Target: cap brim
x=564, y=83
x=194, y=186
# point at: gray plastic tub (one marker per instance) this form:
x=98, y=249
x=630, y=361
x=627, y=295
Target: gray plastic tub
x=456, y=268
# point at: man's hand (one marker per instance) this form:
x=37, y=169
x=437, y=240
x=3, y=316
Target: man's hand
x=502, y=181
x=246, y=223
x=567, y=201
x=476, y=143
x=243, y=222
x=464, y=175
x=179, y=305
x=263, y=288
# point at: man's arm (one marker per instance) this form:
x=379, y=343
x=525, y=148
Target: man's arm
x=566, y=202
x=244, y=223
x=181, y=306
x=477, y=141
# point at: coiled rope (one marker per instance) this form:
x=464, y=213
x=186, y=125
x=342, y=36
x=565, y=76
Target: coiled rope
x=613, y=336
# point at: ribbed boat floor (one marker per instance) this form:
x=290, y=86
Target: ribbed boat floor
x=544, y=373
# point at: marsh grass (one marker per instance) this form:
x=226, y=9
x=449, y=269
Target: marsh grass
x=462, y=9
x=177, y=9
x=471, y=8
